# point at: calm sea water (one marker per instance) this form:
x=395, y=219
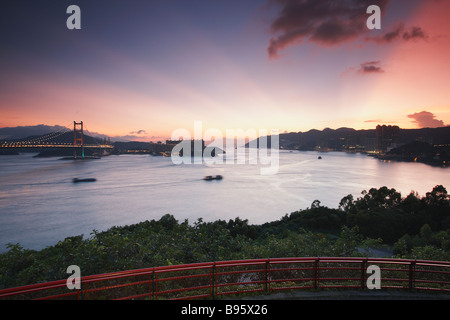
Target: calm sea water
x=39, y=204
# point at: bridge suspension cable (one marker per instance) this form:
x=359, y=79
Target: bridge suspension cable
x=40, y=139
x=99, y=141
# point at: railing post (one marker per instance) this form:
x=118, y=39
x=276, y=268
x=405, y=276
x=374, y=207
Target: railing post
x=213, y=281
x=150, y=285
x=412, y=274
x=85, y=290
x=316, y=272
x=266, y=276
x=363, y=273
x=153, y=285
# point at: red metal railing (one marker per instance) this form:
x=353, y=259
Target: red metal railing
x=214, y=279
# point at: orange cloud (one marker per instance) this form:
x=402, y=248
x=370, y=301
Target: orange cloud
x=426, y=119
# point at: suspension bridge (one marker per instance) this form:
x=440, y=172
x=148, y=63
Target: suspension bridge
x=66, y=138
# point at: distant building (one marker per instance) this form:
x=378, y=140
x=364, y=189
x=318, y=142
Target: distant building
x=370, y=144
x=173, y=142
x=160, y=148
x=197, y=147
x=386, y=136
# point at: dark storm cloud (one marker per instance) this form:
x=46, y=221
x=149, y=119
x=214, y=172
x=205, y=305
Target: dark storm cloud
x=426, y=119
x=400, y=32
x=371, y=67
x=329, y=22
x=414, y=33
x=139, y=132
x=326, y=22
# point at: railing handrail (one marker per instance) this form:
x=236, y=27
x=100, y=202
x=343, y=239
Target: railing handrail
x=212, y=267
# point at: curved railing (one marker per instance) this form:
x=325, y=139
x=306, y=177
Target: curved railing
x=212, y=280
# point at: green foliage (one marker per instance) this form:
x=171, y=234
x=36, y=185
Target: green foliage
x=384, y=213
x=426, y=245
x=158, y=243
x=378, y=213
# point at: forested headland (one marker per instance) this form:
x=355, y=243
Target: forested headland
x=413, y=226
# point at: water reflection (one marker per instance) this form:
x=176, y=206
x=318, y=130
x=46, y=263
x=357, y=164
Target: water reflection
x=39, y=204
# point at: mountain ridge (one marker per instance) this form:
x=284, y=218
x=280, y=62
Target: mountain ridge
x=345, y=138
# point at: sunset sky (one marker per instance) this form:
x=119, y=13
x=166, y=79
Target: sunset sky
x=141, y=69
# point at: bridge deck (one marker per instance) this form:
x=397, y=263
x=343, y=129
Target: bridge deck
x=104, y=146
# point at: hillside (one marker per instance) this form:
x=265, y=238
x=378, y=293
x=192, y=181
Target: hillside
x=21, y=132
x=344, y=139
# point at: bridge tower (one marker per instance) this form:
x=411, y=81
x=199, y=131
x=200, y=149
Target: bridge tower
x=78, y=138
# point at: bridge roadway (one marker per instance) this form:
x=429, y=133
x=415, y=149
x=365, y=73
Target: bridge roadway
x=54, y=145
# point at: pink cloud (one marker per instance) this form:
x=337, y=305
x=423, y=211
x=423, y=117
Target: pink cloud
x=426, y=119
